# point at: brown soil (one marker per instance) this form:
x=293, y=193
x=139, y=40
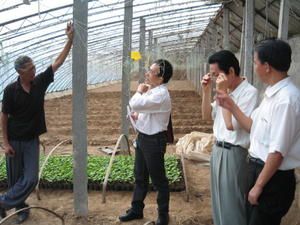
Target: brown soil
x=103, y=130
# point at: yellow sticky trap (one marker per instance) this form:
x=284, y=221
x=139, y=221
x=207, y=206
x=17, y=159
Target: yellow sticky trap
x=135, y=56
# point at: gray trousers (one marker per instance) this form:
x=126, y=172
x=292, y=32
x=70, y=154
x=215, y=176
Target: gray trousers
x=22, y=173
x=228, y=185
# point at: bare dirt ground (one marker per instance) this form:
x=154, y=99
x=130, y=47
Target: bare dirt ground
x=103, y=130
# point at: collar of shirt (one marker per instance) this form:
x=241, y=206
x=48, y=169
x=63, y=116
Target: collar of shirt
x=19, y=86
x=236, y=92
x=271, y=90
x=156, y=88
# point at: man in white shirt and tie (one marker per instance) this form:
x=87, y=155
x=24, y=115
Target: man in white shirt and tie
x=229, y=155
x=152, y=104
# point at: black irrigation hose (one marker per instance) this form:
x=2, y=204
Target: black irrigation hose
x=33, y=207
x=110, y=164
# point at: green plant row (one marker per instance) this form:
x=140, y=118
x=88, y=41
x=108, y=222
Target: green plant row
x=60, y=169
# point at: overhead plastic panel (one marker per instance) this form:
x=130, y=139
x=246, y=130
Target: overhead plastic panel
x=37, y=30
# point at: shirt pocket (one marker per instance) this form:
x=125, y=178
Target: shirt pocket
x=263, y=131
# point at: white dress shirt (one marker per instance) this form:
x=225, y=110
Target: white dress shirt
x=245, y=96
x=154, y=108
x=276, y=124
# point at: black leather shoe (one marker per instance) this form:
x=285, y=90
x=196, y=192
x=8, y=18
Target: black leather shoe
x=163, y=219
x=2, y=213
x=130, y=215
x=23, y=215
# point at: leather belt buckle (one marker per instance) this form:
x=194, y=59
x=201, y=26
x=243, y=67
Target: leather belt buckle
x=224, y=144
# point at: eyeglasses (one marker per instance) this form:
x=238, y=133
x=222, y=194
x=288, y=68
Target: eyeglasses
x=148, y=70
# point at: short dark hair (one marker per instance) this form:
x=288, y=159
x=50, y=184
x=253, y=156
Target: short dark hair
x=165, y=69
x=21, y=61
x=225, y=59
x=277, y=53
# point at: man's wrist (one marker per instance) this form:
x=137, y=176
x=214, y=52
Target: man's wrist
x=234, y=109
x=206, y=93
x=222, y=89
x=259, y=185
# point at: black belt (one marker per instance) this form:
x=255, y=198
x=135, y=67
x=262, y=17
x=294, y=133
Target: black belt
x=256, y=160
x=225, y=144
x=162, y=133
x=262, y=163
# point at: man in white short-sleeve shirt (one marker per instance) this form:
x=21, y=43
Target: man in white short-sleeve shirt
x=276, y=125
x=274, y=135
x=229, y=156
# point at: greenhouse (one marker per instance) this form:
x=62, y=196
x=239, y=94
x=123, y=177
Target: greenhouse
x=84, y=119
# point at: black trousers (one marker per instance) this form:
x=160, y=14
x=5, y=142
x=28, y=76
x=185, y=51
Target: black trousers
x=276, y=198
x=149, y=161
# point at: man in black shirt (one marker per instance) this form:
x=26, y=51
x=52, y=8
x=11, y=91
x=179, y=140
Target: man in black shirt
x=23, y=120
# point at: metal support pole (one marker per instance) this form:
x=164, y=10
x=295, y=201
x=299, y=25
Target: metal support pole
x=142, y=48
x=242, y=43
x=79, y=112
x=283, y=28
x=226, y=28
x=126, y=64
x=150, y=46
x=195, y=67
x=188, y=64
x=198, y=67
x=249, y=27
x=155, y=49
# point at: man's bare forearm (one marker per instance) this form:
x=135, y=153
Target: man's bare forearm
x=227, y=116
x=62, y=56
x=244, y=121
x=272, y=164
x=206, y=105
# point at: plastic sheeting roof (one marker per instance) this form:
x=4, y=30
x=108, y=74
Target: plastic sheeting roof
x=37, y=30
x=265, y=22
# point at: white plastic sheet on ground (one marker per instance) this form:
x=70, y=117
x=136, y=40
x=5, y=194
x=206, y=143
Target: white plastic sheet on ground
x=196, y=146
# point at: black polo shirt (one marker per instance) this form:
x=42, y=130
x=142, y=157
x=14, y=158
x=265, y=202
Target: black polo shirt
x=26, y=115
